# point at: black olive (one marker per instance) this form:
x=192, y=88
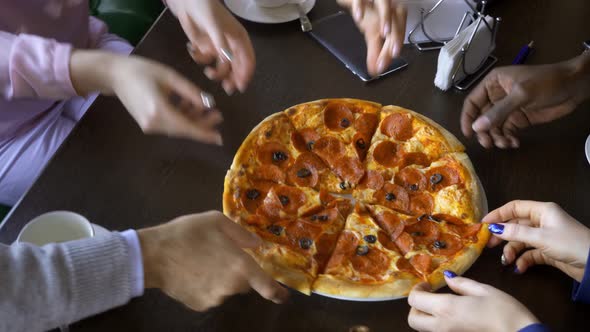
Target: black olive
x=360, y=143
x=310, y=145
x=433, y=218
x=303, y=173
x=268, y=134
x=284, y=199
x=252, y=194
x=305, y=243
x=422, y=217
x=417, y=234
x=390, y=197
x=343, y=185
x=323, y=218
x=370, y=238
x=414, y=187
x=440, y=244
x=344, y=123
x=314, y=217
x=362, y=250
x=275, y=229
x=436, y=178
x=279, y=156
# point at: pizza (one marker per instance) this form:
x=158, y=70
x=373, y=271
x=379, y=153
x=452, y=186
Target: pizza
x=358, y=200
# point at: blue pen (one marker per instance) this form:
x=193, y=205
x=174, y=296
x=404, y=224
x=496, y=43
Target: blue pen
x=523, y=54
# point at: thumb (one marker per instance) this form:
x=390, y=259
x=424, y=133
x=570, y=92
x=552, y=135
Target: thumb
x=242, y=237
x=465, y=286
x=500, y=110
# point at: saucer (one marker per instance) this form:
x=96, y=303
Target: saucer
x=248, y=10
x=588, y=149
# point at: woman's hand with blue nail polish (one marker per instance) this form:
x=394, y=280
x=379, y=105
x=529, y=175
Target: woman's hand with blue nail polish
x=383, y=22
x=476, y=307
x=555, y=237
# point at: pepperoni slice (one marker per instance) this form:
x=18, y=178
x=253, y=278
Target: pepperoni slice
x=269, y=173
x=404, y=265
x=270, y=207
x=344, y=206
x=253, y=196
x=300, y=233
x=386, y=242
x=329, y=148
x=372, y=180
x=421, y=203
x=337, y=116
x=345, y=247
x=273, y=153
x=422, y=263
x=348, y=169
x=289, y=199
x=374, y=263
x=304, y=139
x=324, y=248
x=275, y=232
x=411, y=179
x=361, y=144
x=415, y=158
x=467, y=232
x=390, y=223
x=304, y=172
x=325, y=197
x=449, y=219
x=366, y=124
x=386, y=154
x=423, y=232
x=446, y=245
x=405, y=243
x=397, y=126
x=393, y=196
x=441, y=177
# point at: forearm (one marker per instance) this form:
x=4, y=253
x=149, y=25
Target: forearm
x=41, y=288
x=93, y=71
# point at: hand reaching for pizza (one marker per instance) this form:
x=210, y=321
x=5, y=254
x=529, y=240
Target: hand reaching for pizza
x=383, y=23
x=216, y=36
x=512, y=98
x=477, y=307
x=198, y=260
x=557, y=239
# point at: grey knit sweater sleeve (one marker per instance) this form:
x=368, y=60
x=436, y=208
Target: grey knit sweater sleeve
x=42, y=288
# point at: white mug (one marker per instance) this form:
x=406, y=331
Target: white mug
x=272, y=3
x=54, y=227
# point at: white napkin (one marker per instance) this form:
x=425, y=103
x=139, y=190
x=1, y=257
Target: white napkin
x=450, y=55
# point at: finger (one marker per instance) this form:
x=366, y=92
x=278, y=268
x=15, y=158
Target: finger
x=244, y=60
x=473, y=106
x=174, y=123
x=221, y=70
x=500, y=110
x=265, y=285
x=466, y=286
x=384, y=56
x=530, y=258
x=228, y=86
x=208, y=120
x=485, y=140
x=511, y=251
x=196, y=46
x=238, y=234
x=517, y=210
x=509, y=130
x=374, y=46
x=422, y=299
x=358, y=10
x=494, y=240
x=421, y=321
x=185, y=89
x=384, y=10
x=399, y=17
x=499, y=139
x=532, y=236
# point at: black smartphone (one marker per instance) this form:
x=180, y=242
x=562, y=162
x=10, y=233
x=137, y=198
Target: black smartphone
x=339, y=35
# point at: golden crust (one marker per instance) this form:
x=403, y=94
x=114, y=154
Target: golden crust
x=399, y=287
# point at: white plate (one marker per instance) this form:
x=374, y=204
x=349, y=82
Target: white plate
x=588, y=149
x=99, y=230
x=485, y=211
x=248, y=10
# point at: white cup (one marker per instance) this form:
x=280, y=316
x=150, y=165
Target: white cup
x=272, y=3
x=54, y=227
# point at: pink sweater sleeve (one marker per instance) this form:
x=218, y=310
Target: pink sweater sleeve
x=34, y=67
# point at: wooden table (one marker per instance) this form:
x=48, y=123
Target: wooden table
x=119, y=178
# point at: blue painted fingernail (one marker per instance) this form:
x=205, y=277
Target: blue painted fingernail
x=450, y=274
x=516, y=270
x=496, y=228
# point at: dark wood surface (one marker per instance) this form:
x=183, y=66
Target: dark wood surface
x=117, y=177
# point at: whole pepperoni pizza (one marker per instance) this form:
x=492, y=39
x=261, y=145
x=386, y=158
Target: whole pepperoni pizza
x=356, y=200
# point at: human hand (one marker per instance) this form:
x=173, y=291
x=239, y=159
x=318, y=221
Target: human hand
x=512, y=98
x=383, y=22
x=216, y=36
x=478, y=307
x=557, y=239
x=160, y=100
x=198, y=260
